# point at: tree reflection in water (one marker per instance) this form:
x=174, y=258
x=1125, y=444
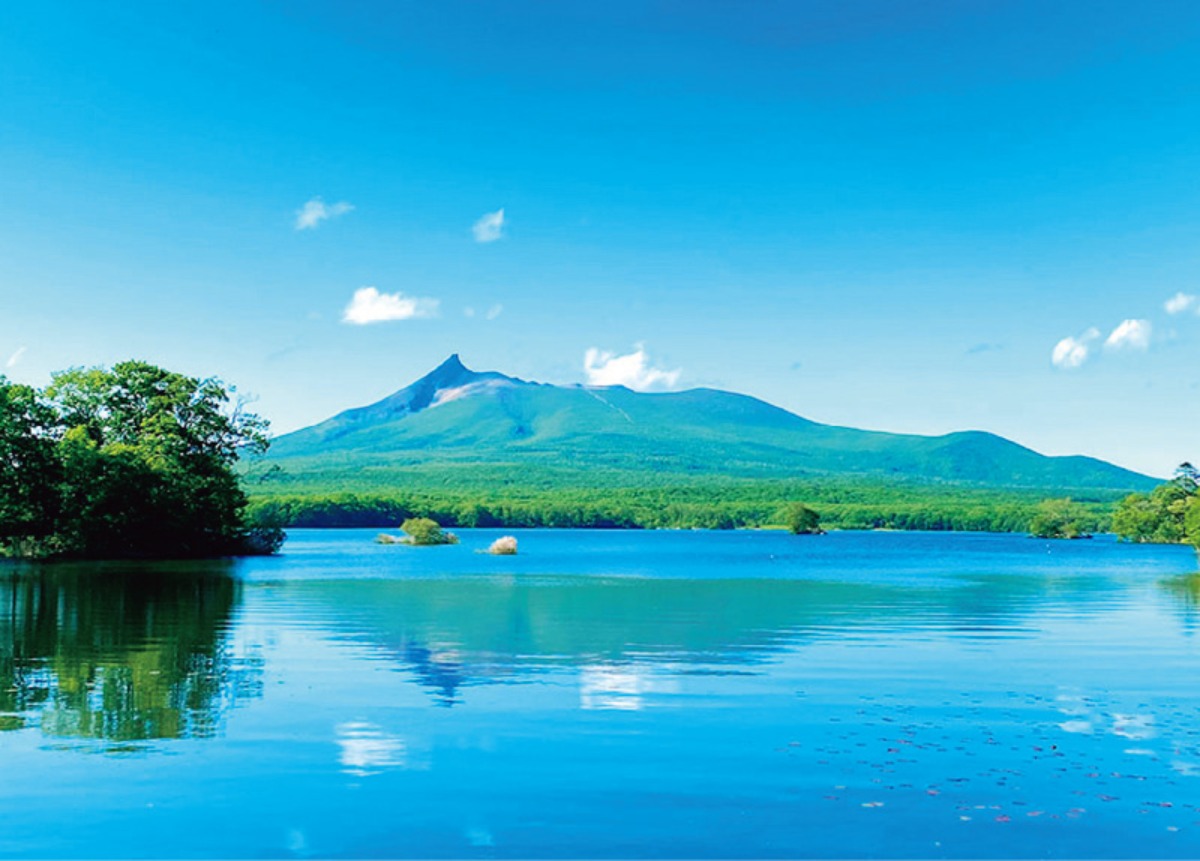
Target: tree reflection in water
x=121, y=652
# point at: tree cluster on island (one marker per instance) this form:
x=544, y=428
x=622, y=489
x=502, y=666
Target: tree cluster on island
x=1060, y=518
x=419, y=532
x=129, y=462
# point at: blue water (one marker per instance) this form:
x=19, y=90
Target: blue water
x=608, y=694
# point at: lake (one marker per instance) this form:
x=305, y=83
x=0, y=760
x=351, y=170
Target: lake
x=608, y=694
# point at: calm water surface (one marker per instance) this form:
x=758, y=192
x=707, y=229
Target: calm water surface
x=608, y=694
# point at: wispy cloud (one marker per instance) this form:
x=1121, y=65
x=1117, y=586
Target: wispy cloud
x=370, y=306
x=1072, y=352
x=1180, y=302
x=317, y=210
x=15, y=358
x=490, y=314
x=632, y=370
x=490, y=227
x=1131, y=334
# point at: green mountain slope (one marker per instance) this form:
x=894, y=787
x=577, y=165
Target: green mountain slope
x=456, y=422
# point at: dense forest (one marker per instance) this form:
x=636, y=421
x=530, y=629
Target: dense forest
x=132, y=461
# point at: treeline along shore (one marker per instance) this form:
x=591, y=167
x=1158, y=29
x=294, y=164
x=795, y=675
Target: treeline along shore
x=1168, y=514
x=716, y=506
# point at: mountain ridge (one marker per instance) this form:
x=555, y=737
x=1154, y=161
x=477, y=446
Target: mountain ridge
x=457, y=416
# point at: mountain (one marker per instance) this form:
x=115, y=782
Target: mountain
x=455, y=419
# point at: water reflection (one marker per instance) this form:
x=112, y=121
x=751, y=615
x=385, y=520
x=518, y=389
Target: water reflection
x=1186, y=589
x=621, y=687
x=452, y=633
x=120, y=653
x=366, y=749
x=438, y=670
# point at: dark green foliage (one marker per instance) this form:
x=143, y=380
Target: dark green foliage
x=802, y=520
x=30, y=472
x=1059, y=518
x=1169, y=514
x=1191, y=523
x=132, y=461
x=424, y=532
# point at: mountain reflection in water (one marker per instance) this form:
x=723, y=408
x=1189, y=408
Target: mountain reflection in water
x=449, y=634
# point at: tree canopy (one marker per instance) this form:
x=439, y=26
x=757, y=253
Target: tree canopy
x=132, y=461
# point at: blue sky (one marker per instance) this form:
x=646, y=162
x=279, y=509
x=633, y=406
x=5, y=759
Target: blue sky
x=890, y=215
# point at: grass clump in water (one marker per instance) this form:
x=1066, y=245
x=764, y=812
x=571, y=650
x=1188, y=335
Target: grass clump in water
x=506, y=545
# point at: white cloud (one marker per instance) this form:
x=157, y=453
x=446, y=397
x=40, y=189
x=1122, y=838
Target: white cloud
x=1134, y=334
x=468, y=311
x=1180, y=302
x=490, y=227
x=371, y=306
x=632, y=370
x=15, y=358
x=495, y=311
x=1073, y=352
x=316, y=211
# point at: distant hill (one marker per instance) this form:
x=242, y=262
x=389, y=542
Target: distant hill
x=459, y=422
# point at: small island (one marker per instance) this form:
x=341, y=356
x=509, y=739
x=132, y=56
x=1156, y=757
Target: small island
x=1059, y=518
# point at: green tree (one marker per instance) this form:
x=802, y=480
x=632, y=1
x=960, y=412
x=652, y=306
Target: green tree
x=802, y=520
x=1187, y=477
